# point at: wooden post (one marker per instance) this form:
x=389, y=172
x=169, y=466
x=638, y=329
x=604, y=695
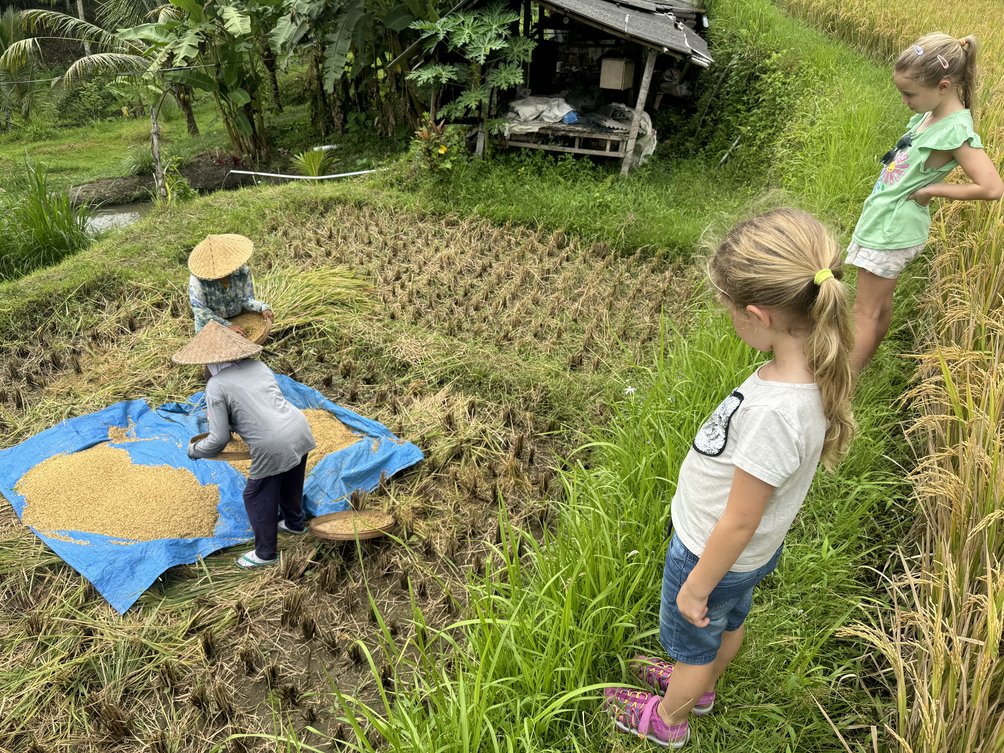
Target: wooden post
x=646, y=80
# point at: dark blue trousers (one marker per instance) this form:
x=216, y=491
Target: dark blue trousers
x=265, y=498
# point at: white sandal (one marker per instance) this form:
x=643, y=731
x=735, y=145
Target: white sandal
x=250, y=560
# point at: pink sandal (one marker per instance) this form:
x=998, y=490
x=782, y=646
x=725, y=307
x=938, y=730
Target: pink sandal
x=636, y=712
x=656, y=672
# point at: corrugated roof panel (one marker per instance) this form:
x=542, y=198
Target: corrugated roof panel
x=661, y=30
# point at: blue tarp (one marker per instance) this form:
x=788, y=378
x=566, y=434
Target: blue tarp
x=122, y=573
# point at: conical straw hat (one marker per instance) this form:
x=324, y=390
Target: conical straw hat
x=219, y=255
x=215, y=343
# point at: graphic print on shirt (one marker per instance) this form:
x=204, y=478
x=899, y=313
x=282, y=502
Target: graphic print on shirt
x=714, y=435
x=893, y=172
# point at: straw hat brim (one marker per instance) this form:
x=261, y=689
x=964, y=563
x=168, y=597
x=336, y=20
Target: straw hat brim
x=219, y=255
x=215, y=343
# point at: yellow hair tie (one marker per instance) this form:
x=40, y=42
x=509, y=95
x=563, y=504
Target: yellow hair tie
x=822, y=275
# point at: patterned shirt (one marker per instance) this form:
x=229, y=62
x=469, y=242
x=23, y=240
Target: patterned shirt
x=211, y=302
x=890, y=220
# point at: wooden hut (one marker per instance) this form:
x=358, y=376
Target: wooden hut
x=629, y=51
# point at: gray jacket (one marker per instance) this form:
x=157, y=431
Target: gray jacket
x=245, y=398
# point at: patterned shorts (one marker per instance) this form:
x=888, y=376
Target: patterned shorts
x=888, y=264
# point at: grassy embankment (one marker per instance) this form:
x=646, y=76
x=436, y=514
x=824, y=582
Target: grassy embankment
x=106, y=149
x=943, y=641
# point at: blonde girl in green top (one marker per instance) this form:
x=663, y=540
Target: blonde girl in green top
x=937, y=78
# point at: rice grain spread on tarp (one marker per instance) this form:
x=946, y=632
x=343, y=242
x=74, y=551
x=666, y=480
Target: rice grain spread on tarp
x=122, y=569
x=330, y=434
x=100, y=490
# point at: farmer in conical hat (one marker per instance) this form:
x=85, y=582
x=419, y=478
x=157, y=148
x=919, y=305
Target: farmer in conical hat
x=220, y=285
x=243, y=396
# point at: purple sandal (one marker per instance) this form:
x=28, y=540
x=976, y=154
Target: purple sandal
x=656, y=672
x=636, y=712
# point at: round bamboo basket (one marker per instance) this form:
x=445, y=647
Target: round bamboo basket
x=352, y=525
x=226, y=454
x=256, y=325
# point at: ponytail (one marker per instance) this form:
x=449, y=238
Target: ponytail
x=786, y=259
x=827, y=354
x=968, y=83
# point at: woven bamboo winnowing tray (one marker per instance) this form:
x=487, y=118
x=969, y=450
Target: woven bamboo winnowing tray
x=350, y=525
x=256, y=325
x=226, y=454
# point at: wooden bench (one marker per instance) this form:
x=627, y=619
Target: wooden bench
x=574, y=139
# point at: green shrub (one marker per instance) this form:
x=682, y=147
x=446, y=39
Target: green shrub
x=92, y=100
x=38, y=227
x=139, y=161
x=177, y=185
x=312, y=162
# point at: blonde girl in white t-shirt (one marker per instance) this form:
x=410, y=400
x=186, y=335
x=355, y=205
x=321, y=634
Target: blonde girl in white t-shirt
x=751, y=464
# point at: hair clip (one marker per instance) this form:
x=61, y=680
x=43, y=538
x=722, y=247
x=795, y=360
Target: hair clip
x=944, y=63
x=918, y=49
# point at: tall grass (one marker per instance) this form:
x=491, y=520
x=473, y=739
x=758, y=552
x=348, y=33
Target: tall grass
x=553, y=622
x=38, y=227
x=943, y=641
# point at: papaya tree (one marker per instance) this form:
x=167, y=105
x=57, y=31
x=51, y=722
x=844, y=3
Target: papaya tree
x=494, y=57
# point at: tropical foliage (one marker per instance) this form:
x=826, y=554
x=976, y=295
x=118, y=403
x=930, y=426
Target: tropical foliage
x=493, y=55
x=233, y=52
x=20, y=87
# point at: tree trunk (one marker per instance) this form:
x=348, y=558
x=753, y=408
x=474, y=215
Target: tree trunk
x=80, y=15
x=259, y=138
x=319, y=99
x=158, y=169
x=183, y=96
x=268, y=58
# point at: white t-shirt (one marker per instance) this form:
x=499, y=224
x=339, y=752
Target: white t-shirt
x=773, y=431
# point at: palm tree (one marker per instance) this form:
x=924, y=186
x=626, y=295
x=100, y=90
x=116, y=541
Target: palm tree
x=20, y=88
x=123, y=14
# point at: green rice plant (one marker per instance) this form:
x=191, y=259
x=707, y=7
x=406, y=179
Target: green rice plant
x=39, y=227
x=941, y=645
x=551, y=623
x=312, y=162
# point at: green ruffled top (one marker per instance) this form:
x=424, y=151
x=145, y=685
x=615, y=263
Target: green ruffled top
x=889, y=220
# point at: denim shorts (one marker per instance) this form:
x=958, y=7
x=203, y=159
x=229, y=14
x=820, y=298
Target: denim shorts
x=728, y=605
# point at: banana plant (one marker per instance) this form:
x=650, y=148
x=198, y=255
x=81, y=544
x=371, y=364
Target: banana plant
x=211, y=46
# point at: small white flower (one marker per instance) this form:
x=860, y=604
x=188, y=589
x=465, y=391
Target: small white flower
x=629, y=390
x=632, y=553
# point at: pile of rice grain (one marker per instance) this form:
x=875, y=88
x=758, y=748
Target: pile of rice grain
x=99, y=490
x=330, y=434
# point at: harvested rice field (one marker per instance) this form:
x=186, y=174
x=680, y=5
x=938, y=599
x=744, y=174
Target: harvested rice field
x=100, y=490
x=489, y=347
